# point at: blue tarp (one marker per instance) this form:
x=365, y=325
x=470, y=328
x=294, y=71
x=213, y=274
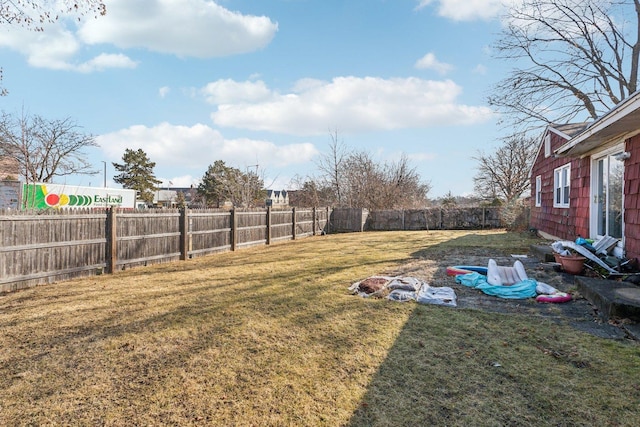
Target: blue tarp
x=520, y=290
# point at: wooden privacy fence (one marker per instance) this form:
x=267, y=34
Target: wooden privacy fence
x=436, y=218
x=43, y=247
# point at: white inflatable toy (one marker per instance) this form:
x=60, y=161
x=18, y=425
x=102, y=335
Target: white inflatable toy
x=505, y=276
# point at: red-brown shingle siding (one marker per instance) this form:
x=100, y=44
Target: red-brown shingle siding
x=581, y=169
x=565, y=223
x=632, y=198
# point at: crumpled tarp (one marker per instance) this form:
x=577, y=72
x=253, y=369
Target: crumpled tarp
x=520, y=290
x=406, y=289
x=436, y=295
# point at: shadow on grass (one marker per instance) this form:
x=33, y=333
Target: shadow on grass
x=452, y=366
x=225, y=326
x=273, y=338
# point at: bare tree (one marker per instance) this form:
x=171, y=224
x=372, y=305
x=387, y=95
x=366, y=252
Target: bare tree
x=364, y=181
x=571, y=57
x=45, y=149
x=310, y=192
x=331, y=166
x=356, y=180
x=505, y=173
x=404, y=187
x=33, y=14
x=373, y=185
x=253, y=192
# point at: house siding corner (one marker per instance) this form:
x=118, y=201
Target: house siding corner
x=632, y=198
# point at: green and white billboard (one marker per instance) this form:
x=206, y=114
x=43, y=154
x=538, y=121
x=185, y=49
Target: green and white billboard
x=48, y=196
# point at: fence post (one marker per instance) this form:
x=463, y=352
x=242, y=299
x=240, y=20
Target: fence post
x=313, y=221
x=184, y=234
x=234, y=229
x=111, y=247
x=328, y=226
x=293, y=220
x=483, y=216
x=268, y=225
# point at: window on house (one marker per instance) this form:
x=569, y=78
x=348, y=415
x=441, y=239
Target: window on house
x=547, y=145
x=561, y=183
x=538, y=191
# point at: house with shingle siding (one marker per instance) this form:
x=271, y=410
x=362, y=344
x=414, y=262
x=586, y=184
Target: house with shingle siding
x=585, y=181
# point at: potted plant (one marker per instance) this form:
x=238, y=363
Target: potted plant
x=572, y=264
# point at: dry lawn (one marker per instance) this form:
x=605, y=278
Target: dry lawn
x=270, y=336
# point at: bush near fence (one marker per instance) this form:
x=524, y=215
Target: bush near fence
x=45, y=247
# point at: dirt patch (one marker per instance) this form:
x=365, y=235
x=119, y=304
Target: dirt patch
x=578, y=313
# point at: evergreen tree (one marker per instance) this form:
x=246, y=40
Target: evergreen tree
x=220, y=184
x=136, y=173
x=448, y=200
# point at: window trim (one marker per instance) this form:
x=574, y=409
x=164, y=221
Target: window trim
x=562, y=186
x=538, y=191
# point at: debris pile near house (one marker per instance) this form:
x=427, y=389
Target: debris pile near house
x=599, y=255
x=404, y=289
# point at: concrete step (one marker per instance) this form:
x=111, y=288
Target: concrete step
x=612, y=298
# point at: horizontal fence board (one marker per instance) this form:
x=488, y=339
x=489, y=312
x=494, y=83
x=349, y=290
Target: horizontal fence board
x=18, y=248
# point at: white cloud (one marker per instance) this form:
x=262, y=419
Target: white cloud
x=182, y=181
x=197, y=28
x=164, y=91
x=423, y=4
x=228, y=91
x=55, y=48
x=480, y=69
x=430, y=62
x=104, y=61
x=466, y=10
x=198, y=146
x=52, y=50
x=353, y=104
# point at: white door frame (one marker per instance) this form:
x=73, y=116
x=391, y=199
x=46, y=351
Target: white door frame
x=593, y=199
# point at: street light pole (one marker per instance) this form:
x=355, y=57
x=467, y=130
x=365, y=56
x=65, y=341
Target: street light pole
x=105, y=173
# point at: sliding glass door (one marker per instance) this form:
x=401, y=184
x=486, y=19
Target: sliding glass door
x=607, y=209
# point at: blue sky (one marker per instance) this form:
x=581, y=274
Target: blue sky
x=265, y=82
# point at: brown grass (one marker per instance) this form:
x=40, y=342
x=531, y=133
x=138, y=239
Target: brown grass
x=270, y=336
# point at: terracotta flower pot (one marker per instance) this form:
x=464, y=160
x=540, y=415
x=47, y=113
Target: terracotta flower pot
x=572, y=264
